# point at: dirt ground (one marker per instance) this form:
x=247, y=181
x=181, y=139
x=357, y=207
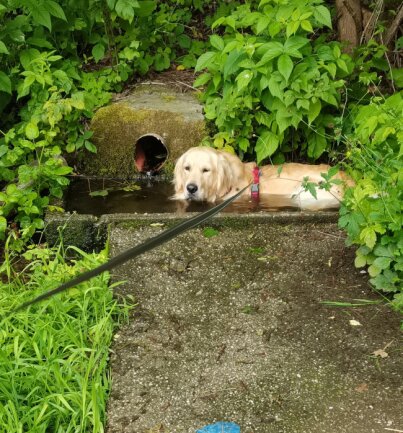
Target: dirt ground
x=234, y=328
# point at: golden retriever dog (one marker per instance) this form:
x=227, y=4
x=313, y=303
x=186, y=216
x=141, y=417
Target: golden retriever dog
x=207, y=174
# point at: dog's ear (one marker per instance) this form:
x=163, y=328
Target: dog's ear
x=179, y=181
x=224, y=176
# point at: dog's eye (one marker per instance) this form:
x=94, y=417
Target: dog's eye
x=187, y=168
x=206, y=170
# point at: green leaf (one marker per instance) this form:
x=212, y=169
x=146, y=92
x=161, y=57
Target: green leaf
x=373, y=270
x=184, y=42
x=146, y=8
x=336, y=51
x=41, y=16
x=205, y=60
x=54, y=9
x=125, y=9
x=262, y=24
x=332, y=68
x=202, y=79
x=98, y=51
x=62, y=170
x=314, y=110
x=161, y=61
x=322, y=16
x=342, y=64
x=71, y=147
x=217, y=42
x=368, y=236
x=31, y=131
x=295, y=43
x=99, y=193
x=3, y=227
x=3, y=48
x=266, y=145
x=382, y=262
x=274, y=28
x=303, y=103
x=292, y=28
x=27, y=56
x=381, y=250
x=274, y=87
x=317, y=144
x=5, y=83
x=16, y=35
x=243, y=144
x=263, y=118
x=90, y=147
x=271, y=51
x=210, y=232
x=39, y=42
x=232, y=63
x=283, y=119
x=243, y=79
x=285, y=66
x=307, y=26
x=310, y=187
x=360, y=261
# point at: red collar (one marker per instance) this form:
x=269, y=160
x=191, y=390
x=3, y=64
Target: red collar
x=254, y=192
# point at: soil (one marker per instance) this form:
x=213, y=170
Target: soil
x=234, y=328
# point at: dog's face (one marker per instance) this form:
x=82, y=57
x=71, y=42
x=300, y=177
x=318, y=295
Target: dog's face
x=202, y=174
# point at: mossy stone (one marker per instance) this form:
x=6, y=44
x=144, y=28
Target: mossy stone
x=149, y=109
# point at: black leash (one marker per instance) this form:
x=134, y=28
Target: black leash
x=135, y=251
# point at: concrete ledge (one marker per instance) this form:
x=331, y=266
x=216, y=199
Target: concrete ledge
x=90, y=233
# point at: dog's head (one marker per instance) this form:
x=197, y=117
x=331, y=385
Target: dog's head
x=202, y=174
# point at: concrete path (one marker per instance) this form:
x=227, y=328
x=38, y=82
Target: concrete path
x=233, y=328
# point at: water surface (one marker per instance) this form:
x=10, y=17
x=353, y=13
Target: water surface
x=99, y=196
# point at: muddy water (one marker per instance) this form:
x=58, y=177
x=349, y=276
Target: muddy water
x=99, y=197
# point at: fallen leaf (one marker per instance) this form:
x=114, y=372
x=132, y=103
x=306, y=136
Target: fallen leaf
x=381, y=353
x=157, y=225
x=100, y=193
x=362, y=387
x=355, y=323
x=158, y=428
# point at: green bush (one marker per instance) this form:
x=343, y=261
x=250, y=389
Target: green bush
x=54, y=356
x=271, y=87
x=372, y=212
x=59, y=61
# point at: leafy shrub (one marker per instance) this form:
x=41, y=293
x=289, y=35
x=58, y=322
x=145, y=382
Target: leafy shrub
x=372, y=212
x=59, y=61
x=271, y=89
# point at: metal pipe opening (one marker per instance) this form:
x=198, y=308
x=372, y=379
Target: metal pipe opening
x=150, y=153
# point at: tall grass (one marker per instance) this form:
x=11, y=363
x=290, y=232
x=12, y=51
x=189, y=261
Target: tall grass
x=54, y=374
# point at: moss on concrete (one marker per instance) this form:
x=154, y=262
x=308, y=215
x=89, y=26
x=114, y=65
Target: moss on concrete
x=83, y=231
x=176, y=118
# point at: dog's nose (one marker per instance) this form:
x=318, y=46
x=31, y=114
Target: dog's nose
x=192, y=188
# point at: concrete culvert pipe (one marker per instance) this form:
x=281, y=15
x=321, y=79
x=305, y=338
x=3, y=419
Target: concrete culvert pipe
x=150, y=153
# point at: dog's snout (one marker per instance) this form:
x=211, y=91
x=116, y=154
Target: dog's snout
x=192, y=188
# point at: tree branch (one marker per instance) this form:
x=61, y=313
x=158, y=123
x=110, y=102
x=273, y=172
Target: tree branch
x=394, y=26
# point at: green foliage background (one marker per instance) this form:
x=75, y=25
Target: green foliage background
x=275, y=83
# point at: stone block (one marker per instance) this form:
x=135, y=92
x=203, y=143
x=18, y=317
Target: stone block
x=144, y=131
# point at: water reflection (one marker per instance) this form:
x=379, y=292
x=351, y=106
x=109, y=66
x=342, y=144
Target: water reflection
x=98, y=197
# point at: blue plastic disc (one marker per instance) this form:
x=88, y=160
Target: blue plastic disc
x=220, y=427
